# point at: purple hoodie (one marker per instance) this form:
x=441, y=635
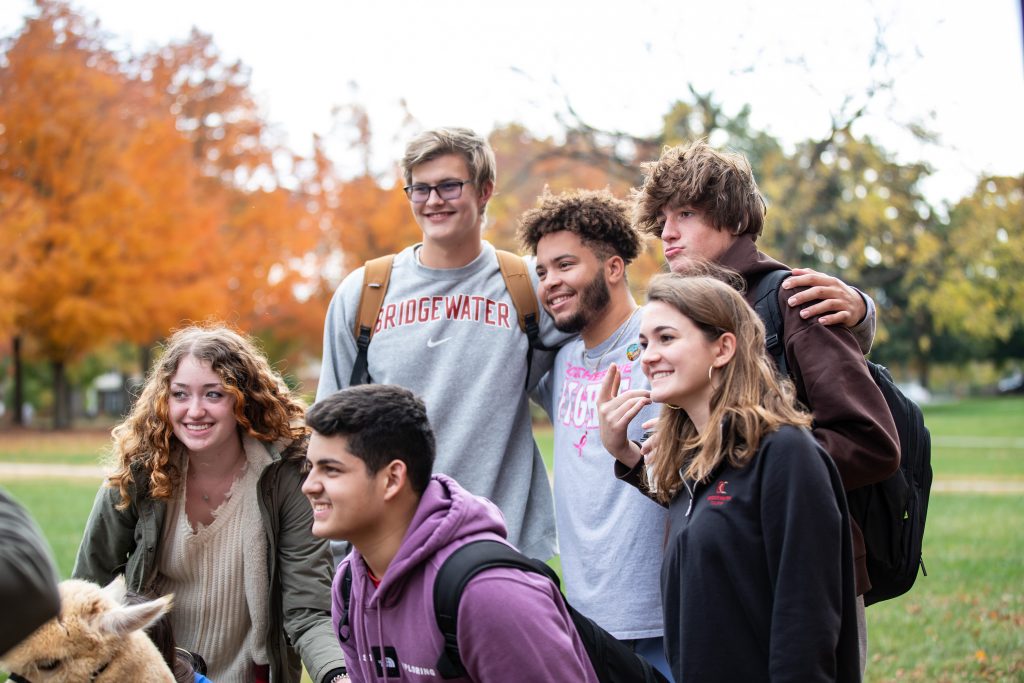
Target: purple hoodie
x=513, y=625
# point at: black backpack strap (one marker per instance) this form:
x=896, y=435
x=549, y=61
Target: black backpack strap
x=346, y=594
x=766, y=305
x=452, y=578
x=376, y=275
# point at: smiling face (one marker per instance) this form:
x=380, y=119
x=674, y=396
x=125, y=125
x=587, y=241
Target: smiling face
x=201, y=411
x=676, y=359
x=573, y=288
x=347, y=500
x=449, y=224
x=688, y=235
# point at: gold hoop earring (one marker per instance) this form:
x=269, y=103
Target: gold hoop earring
x=673, y=407
x=712, y=367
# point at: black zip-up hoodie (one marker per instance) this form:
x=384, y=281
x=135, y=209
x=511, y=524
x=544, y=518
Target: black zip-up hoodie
x=757, y=583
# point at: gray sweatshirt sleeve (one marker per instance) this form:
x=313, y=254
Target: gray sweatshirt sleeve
x=864, y=331
x=339, y=352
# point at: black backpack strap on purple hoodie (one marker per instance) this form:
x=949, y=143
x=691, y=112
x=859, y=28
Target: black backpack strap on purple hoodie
x=456, y=571
x=346, y=593
x=613, y=661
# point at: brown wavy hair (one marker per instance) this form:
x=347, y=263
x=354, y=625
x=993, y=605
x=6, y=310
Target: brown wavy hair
x=721, y=184
x=264, y=407
x=597, y=217
x=749, y=399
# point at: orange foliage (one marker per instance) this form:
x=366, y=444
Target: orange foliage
x=138, y=194
x=96, y=191
x=527, y=165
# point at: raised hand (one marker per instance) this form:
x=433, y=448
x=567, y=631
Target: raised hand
x=649, y=447
x=834, y=301
x=615, y=411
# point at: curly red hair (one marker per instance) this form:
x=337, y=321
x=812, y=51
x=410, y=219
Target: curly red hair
x=264, y=408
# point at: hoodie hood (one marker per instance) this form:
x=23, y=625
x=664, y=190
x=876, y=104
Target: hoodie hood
x=447, y=517
x=392, y=634
x=744, y=258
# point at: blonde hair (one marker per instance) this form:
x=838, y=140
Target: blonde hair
x=748, y=401
x=474, y=149
x=721, y=184
x=264, y=408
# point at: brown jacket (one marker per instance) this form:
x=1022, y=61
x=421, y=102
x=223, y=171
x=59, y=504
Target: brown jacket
x=851, y=418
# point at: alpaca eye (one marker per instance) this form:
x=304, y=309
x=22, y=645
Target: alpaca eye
x=48, y=664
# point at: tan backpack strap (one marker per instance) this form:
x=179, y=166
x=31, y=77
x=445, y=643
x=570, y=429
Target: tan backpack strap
x=376, y=275
x=519, y=286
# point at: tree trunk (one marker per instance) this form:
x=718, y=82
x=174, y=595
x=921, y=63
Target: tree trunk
x=61, y=397
x=145, y=359
x=19, y=384
x=924, y=371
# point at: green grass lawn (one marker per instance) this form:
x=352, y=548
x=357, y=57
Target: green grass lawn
x=980, y=438
x=963, y=622
x=78, y=447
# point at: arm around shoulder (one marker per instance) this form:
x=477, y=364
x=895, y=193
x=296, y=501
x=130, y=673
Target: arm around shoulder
x=851, y=418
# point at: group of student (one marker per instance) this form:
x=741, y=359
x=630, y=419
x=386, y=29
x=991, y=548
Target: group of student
x=699, y=509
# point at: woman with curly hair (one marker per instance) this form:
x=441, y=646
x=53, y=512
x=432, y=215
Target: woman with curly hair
x=205, y=502
x=757, y=580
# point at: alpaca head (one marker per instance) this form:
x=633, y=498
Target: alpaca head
x=94, y=632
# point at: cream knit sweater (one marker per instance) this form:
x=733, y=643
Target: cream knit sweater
x=219, y=577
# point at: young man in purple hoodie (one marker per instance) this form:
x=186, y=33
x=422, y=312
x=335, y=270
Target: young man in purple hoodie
x=369, y=460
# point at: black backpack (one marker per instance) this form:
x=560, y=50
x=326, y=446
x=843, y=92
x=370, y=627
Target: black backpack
x=613, y=661
x=890, y=513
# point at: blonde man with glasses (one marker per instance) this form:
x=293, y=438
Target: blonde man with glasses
x=448, y=330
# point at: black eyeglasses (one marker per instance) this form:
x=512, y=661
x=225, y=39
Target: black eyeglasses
x=449, y=189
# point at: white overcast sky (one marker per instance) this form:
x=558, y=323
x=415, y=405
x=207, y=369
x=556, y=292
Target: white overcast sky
x=958, y=67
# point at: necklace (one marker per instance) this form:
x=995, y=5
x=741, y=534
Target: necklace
x=622, y=331
x=218, y=483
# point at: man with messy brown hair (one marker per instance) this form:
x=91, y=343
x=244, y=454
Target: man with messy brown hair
x=610, y=538
x=705, y=205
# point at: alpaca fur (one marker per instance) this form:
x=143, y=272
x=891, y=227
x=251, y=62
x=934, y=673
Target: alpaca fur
x=94, y=629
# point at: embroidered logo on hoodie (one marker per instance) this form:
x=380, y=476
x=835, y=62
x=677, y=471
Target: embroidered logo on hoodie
x=389, y=661
x=719, y=497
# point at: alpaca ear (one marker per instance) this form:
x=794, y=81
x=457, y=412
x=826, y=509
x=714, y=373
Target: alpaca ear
x=116, y=589
x=128, y=618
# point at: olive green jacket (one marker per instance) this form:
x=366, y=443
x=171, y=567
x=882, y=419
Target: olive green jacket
x=126, y=542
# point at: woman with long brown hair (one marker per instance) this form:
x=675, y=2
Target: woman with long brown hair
x=757, y=580
x=205, y=501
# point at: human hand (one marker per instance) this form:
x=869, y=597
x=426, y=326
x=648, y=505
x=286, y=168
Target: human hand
x=649, y=447
x=833, y=300
x=615, y=411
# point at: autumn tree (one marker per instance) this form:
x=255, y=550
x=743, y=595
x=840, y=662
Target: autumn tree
x=95, y=192
x=977, y=289
x=529, y=165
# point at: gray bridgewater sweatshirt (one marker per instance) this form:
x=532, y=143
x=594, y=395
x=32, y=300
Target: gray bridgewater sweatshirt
x=452, y=336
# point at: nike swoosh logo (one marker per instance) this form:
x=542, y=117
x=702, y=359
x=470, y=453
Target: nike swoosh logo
x=431, y=343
